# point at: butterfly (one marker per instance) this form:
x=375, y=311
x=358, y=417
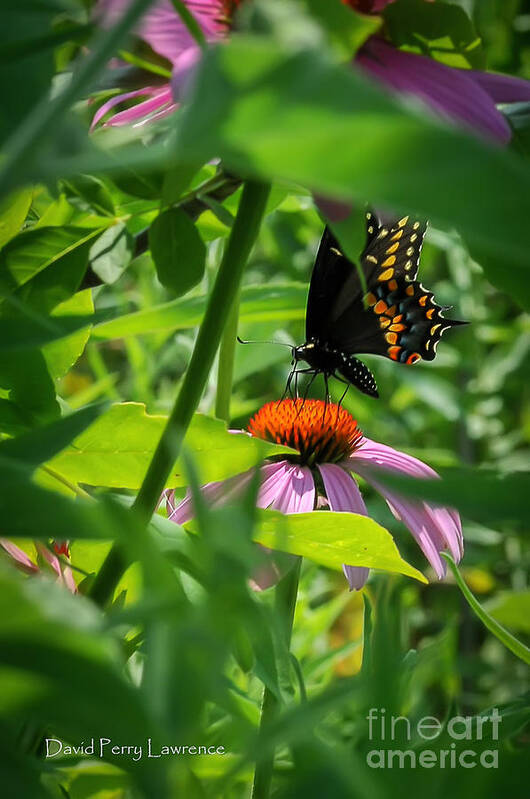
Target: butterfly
x=396, y=317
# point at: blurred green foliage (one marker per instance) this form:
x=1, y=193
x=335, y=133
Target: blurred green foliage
x=109, y=248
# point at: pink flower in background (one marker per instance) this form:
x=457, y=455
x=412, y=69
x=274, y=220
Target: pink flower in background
x=24, y=563
x=167, y=35
x=331, y=446
x=467, y=96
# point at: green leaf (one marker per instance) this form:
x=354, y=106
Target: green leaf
x=281, y=301
x=42, y=444
x=349, y=29
x=13, y=212
x=480, y=494
x=32, y=251
x=359, y=143
x=441, y=31
x=62, y=353
x=117, y=449
x=26, y=333
x=332, y=539
x=73, y=655
x=178, y=251
x=29, y=385
x=111, y=253
x=506, y=638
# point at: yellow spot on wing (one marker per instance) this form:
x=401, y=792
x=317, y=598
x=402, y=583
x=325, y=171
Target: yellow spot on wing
x=390, y=261
x=403, y=222
x=392, y=248
x=386, y=275
x=397, y=235
x=391, y=337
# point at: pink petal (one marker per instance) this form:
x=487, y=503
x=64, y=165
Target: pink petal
x=159, y=105
x=501, y=88
x=163, y=29
x=287, y=487
x=434, y=528
x=445, y=521
x=343, y=495
x=121, y=98
x=451, y=92
x=19, y=556
x=214, y=494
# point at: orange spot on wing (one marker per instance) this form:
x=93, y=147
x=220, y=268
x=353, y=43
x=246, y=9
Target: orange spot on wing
x=413, y=358
x=392, y=285
x=384, y=322
x=371, y=299
x=398, y=318
x=391, y=337
x=423, y=300
x=398, y=328
x=380, y=307
x=430, y=312
x=393, y=352
x=410, y=290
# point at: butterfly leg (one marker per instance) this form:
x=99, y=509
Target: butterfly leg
x=313, y=376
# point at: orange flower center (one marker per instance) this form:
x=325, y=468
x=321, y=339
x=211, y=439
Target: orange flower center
x=322, y=433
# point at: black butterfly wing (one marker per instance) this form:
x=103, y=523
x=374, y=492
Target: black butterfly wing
x=334, y=277
x=400, y=319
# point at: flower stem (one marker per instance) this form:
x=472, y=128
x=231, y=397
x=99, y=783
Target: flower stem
x=225, y=369
x=284, y=602
x=242, y=237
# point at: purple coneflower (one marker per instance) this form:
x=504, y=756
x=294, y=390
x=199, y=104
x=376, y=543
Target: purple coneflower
x=330, y=448
x=24, y=563
x=167, y=35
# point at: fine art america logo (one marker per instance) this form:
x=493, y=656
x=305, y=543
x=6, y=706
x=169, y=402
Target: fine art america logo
x=461, y=736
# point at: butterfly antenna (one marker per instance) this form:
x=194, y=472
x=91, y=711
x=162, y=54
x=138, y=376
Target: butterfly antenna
x=281, y=343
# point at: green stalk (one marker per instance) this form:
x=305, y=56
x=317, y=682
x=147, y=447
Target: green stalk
x=510, y=641
x=225, y=369
x=284, y=602
x=221, y=301
x=45, y=117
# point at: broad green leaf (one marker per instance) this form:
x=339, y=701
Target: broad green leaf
x=92, y=192
x=43, y=443
x=26, y=333
x=32, y=251
x=512, y=608
x=442, y=31
x=282, y=301
x=332, y=539
x=111, y=253
x=484, y=495
x=26, y=382
x=61, y=354
x=73, y=655
x=346, y=27
x=28, y=510
x=178, y=251
x=13, y=212
x=506, y=638
x=116, y=450
x=359, y=143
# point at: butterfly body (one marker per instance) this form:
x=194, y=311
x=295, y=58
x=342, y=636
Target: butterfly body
x=395, y=317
